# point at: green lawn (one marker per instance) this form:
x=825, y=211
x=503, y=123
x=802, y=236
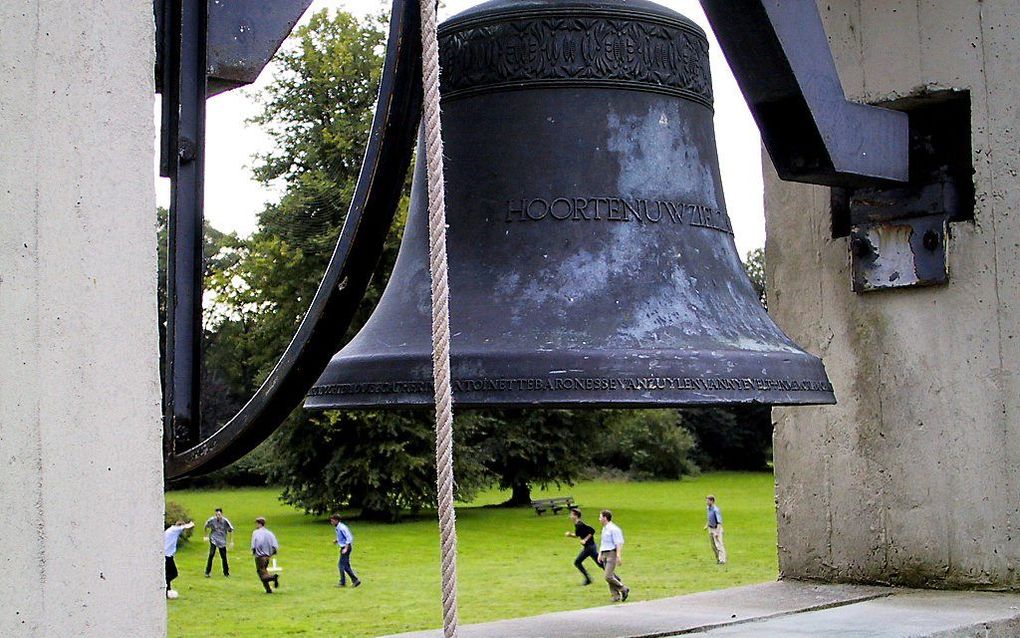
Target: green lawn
x=511, y=561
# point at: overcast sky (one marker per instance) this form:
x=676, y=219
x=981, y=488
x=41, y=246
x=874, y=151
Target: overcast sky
x=233, y=200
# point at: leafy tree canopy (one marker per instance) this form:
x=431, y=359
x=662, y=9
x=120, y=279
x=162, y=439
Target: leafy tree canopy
x=754, y=265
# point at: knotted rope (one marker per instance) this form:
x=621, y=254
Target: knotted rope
x=440, y=317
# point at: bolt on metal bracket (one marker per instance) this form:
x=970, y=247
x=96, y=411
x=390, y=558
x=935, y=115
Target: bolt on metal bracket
x=899, y=234
x=898, y=254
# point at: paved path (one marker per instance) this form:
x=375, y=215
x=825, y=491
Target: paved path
x=785, y=609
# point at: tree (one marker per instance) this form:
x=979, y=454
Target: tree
x=526, y=448
x=318, y=112
x=754, y=265
x=220, y=398
x=382, y=463
x=731, y=438
x=646, y=444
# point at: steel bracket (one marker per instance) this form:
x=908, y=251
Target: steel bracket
x=781, y=59
x=900, y=171
x=243, y=36
x=899, y=234
x=898, y=254
x=189, y=449
x=203, y=47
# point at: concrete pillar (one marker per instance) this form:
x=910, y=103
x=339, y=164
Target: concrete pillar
x=81, y=488
x=913, y=477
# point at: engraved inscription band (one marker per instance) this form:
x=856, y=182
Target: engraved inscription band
x=585, y=384
x=621, y=50
x=617, y=209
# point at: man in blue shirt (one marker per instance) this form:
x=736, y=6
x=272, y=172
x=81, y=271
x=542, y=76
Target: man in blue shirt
x=171, y=535
x=714, y=527
x=345, y=541
x=263, y=546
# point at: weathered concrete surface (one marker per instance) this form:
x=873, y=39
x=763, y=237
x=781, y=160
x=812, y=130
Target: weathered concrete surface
x=668, y=616
x=779, y=610
x=81, y=487
x=912, y=478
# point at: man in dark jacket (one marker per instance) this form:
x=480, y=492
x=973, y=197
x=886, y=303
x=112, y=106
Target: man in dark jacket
x=585, y=534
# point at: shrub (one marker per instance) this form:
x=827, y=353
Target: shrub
x=173, y=512
x=733, y=437
x=647, y=444
x=380, y=462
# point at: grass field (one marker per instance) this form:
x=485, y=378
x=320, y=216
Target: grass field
x=511, y=562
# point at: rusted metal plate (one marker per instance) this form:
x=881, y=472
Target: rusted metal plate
x=899, y=254
x=244, y=35
x=898, y=233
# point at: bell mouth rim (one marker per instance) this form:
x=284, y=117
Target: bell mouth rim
x=424, y=401
x=428, y=402
x=605, y=379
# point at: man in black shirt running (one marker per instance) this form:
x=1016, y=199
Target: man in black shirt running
x=586, y=535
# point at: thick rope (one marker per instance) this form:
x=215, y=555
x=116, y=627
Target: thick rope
x=440, y=317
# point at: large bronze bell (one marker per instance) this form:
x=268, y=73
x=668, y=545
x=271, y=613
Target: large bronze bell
x=591, y=257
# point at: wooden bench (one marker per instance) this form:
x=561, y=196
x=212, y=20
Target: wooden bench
x=555, y=504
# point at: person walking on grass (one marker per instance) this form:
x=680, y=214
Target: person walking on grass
x=611, y=555
x=345, y=541
x=714, y=527
x=585, y=534
x=220, y=532
x=263, y=547
x=171, y=536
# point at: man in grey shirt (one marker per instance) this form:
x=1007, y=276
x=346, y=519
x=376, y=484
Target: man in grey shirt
x=220, y=531
x=264, y=545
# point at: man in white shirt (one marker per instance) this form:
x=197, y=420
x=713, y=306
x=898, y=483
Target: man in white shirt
x=611, y=555
x=170, y=537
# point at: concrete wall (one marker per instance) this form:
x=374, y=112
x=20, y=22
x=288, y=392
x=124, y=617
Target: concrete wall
x=913, y=477
x=81, y=487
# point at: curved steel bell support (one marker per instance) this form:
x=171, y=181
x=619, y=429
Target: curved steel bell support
x=357, y=252
x=592, y=261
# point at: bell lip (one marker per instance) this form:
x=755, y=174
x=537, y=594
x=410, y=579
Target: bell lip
x=611, y=378
x=421, y=402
